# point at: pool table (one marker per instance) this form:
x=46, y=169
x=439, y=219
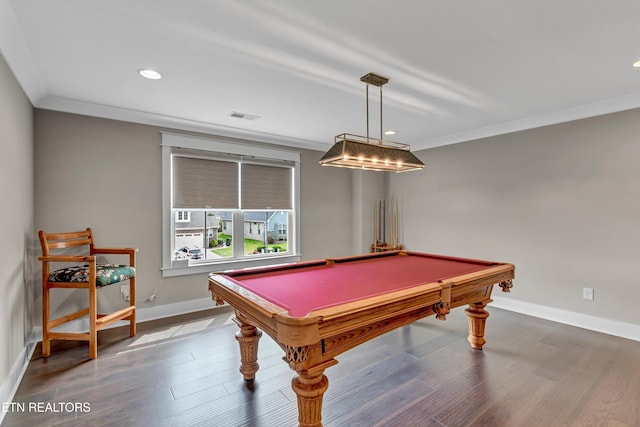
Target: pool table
x=316, y=310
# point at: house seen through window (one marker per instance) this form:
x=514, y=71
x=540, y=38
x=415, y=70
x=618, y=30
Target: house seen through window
x=209, y=234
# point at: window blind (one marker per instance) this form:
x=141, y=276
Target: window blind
x=204, y=183
x=266, y=186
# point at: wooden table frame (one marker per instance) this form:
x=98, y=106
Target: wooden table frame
x=311, y=343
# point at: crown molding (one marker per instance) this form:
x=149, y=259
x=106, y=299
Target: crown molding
x=599, y=108
x=141, y=117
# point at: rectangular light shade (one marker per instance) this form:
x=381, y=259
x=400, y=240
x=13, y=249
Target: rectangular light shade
x=357, y=152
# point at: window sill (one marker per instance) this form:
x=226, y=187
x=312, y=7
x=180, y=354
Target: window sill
x=228, y=265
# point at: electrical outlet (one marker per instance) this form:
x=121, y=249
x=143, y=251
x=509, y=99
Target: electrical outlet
x=124, y=292
x=587, y=293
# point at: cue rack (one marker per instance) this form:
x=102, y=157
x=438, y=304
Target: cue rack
x=385, y=226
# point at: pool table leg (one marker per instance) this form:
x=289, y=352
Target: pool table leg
x=309, y=387
x=477, y=317
x=248, y=337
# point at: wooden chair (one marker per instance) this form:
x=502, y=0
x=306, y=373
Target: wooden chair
x=83, y=272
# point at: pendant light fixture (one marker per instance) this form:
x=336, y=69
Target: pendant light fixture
x=365, y=152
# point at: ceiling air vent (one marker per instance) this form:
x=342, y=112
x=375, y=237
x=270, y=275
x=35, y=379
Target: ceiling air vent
x=245, y=116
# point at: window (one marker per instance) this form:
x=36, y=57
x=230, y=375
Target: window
x=281, y=230
x=227, y=203
x=183, y=216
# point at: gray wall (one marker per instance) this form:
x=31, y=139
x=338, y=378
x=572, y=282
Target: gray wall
x=106, y=174
x=326, y=196
x=561, y=202
x=16, y=223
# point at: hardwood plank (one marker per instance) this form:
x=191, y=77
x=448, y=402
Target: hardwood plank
x=612, y=393
x=353, y=393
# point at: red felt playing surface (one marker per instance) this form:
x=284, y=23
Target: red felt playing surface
x=306, y=289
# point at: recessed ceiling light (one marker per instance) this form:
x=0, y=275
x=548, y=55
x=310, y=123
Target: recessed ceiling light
x=637, y=64
x=148, y=73
x=390, y=132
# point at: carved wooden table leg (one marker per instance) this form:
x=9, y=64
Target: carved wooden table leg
x=310, y=389
x=248, y=337
x=477, y=317
x=310, y=384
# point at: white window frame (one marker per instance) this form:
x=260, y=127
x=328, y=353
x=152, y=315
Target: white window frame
x=180, y=267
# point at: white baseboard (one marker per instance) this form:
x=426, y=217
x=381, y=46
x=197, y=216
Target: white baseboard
x=11, y=383
x=144, y=314
x=598, y=324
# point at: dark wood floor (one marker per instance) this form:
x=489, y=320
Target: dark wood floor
x=184, y=372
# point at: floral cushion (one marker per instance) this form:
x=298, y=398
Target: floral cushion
x=106, y=274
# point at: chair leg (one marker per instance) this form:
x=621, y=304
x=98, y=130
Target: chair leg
x=132, y=303
x=93, y=317
x=46, y=341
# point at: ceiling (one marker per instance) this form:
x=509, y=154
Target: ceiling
x=458, y=69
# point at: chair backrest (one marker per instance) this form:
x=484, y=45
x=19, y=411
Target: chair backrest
x=67, y=240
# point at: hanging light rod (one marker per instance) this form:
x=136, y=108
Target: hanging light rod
x=365, y=152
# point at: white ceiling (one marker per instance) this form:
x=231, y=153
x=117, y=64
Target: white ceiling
x=458, y=69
